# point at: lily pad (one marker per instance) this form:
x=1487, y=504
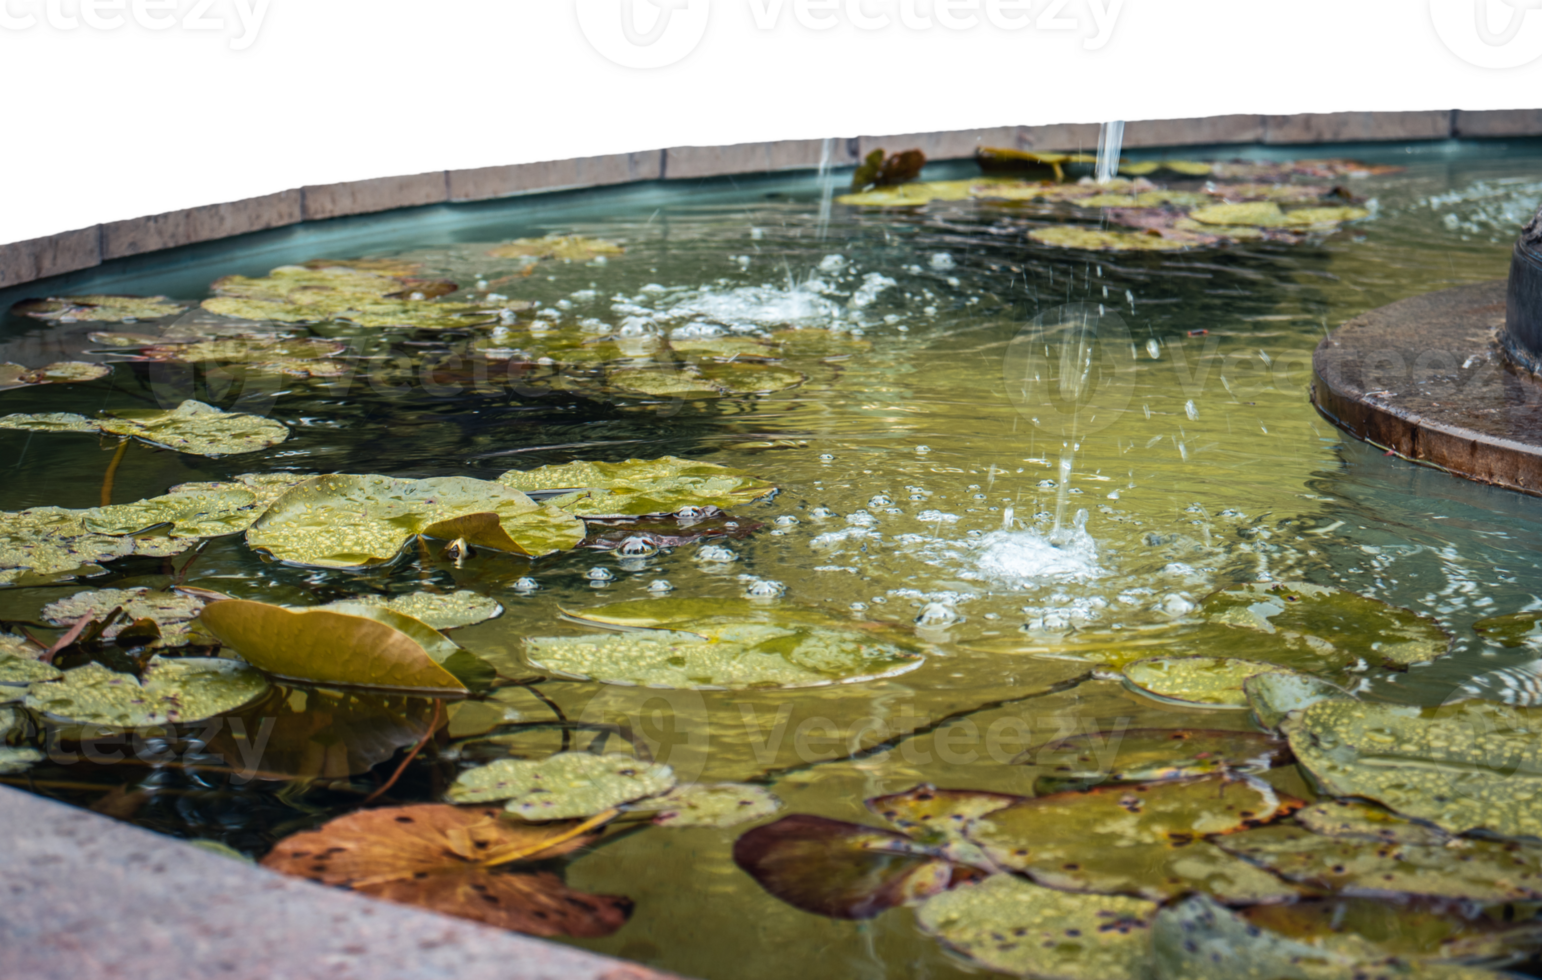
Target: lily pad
x=180, y=691
x=203, y=430
x=838, y=869
x=642, y=486
x=1335, y=625
x=1409, y=929
x=1470, y=766
x=189, y=514
x=1476, y=870
x=98, y=309
x=20, y=671
x=1154, y=754
x=1140, y=839
x=740, y=378
x=1213, y=682
x=442, y=612
x=569, y=784
x=1098, y=240
x=1513, y=630
x=300, y=358
x=723, y=655
x=16, y=759
x=446, y=859
x=66, y=372
x=300, y=294
x=46, y=543
x=566, y=248
x=1016, y=927
x=1367, y=821
x=665, y=383
x=350, y=644
x=1325, y=217
x=357, y=521
x=1276, y=694
x=49, y=422
x=939, y=818
x=719, y=805
x=170, y=611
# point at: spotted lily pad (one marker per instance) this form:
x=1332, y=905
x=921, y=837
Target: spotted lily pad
x=179, y=691
x=441, y=611
x=203, y=430
x=20, y=671
x=49, y=422
x=569, y=784
x=1470, y=766
x=1016, y=927
x=723, y=655
x=46, y=543
x=939, y=818
x=1154, y=754
x=350, y=644
x=1367, y=821
x=98, y=309
x=16, y=376
x=1335, y=626
x=356, y=521
x=642, y=486
x=1099, y=240
x=1411, y=929
x=566, y=248
x=189, y=514
x=718, y=805
x=1260, y=214
x=1141, y=839
x=1477, y=870
x=1276, y=694
x=15, y=759
x=300, y=294
x=1213, y=682
x=301, y=358
x=1512, y=630
x=170, y=611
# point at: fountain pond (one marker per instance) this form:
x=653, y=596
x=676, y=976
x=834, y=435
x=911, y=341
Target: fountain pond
x=1013, y=491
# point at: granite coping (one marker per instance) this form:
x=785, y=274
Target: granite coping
x=72, y=251
x=89, y=898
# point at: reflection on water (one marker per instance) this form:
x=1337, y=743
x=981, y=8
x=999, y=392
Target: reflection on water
x=1006, y=451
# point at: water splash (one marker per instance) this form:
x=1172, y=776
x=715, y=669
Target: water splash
x=1110, y=142
x=1029, y=557
x=826, y=188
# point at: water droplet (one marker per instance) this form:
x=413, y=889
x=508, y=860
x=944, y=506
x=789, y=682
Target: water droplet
x=765, y=589
x=827, y=457
x=879, y=501
x=1047, y=484
x=1190, y=410
x=637, y=546
x=938, y=615
x=716, y=553
x=822, y=513
x=660, y=585
x=787, y=520
x=1154, y=349
x=527, y=585
x=923, y=449
x=599, y=574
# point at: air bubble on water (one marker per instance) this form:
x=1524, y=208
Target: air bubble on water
x=716, y=553
x=1047, y=484
x=1191, y=411
x=861, y=518
x=1178, y=568
x=637, y=546
x=879, y=501
x=923, y=450
x=938, y=615
x=822, y=513
x=764, y=589
x=527, y=585
x=787, y=520
x=1022, y=557
x=918, y=496
x=1113, y=495
x=691, y=513
x=1154, y=349
x=832, y=263
x=1177, y=605
x=660, y=585
x=600, y=574
x=943, y=261
x=936, y=517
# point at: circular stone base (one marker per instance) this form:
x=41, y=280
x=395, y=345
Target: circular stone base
x=1425, y=379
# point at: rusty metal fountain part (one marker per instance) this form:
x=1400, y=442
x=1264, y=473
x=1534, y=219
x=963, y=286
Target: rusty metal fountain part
x=1450, y=379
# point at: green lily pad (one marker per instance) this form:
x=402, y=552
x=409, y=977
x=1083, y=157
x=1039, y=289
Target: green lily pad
x=725, y=347
x=1513, y=630
x=1099, y=240
x=1016, y=927
x=15, y=759
x=98, y=309
x=66, y=372
x=170, y=611
x=566, y=785
x=19, y=671
x=300, y=294
x=203, y=430
x=51, y=542
x=918, y=194
x=1367, y=821
x=1477, y=870
x=1317, y=217
x=1276, y=694
x=264, y=487
x=639, y=487
x=1141, y=839
x=180, y=691
x=442, y=612
x=1154, y=754
x=299, y=358
x=838, y=869
x=719, y=805
x=723, y=655
x=1259, y=214
x=666, y=383
x=1336, y=626
x=1409, y=929
x=1213, y=682
x=565, y=248
x=346, y=643
x=1470, y=766
x=939, y=818
x=191, y=514
x=49, y=422
x=357, y=521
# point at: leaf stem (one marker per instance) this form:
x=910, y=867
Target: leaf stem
x=112, y=471
x=433, y=726
x=519, y=852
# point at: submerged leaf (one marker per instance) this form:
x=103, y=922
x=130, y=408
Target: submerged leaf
x=321, y=733
x=1016, y=927
x=355, y=521
x=16, y=759
x=431, y=856
x=642, y=486
x=567, y=248
x=939, y=817
x=1470, y=766
x=718, y=805
x=1335, y=626
x=1410, y=929
x=183, y=690
x=1213, y=682
x=838, y=869
x=569, y=784
x=203, y=430
x=1154, y=754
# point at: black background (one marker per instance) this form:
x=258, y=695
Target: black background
x=102, y=124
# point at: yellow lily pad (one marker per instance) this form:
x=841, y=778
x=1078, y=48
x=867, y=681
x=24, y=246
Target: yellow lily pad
x=642, y=486
x=440, y=611
x=1212, y=682
x=1098, y=240
x=719, y=805
x=566, y=248
x=1335, y=626
x=199, y=429
x=99, y=309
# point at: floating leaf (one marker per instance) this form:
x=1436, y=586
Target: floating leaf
x=666, y=383
x=50, y=542
x=1154, y=754
x=1214, y=682
x=183, y=691
x=1513, y=630
x=435, y=857
x=299, y=294
x=356, y=521
x=916, y=195
x=1094, y=239
x=837, y=869
x=15, y=759
x=301, y=358
x=1478, y=870
x=442, y=612
x=719, y=805
x=16, y=376
x=938, y=818
x=189, y=513
x=1410, y=929
x=1469, y=766
x=203, y=430
x=569, y=784
x=1016, y=927
x=98, y=309
x=1367, y=821
x=1320, y=217
x=1276, y=694
x=350, y=644
x=1187, y=168
x=20, y=671
x=567, y=248
x=170, y=611
x=724, y=347
x=48, y=422
x=1261, y=214
x=739, y=378
x=1336, y=626
x=642, y=486
x=1140, y=838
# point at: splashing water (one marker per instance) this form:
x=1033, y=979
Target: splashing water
x=826, y=188
x=1021, y=558
x=1110, y=142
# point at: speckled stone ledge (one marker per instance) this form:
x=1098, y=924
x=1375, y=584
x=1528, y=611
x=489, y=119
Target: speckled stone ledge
x=41, y=258
x=88, y=898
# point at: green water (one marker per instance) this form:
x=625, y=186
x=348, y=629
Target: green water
x=1203, y=467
